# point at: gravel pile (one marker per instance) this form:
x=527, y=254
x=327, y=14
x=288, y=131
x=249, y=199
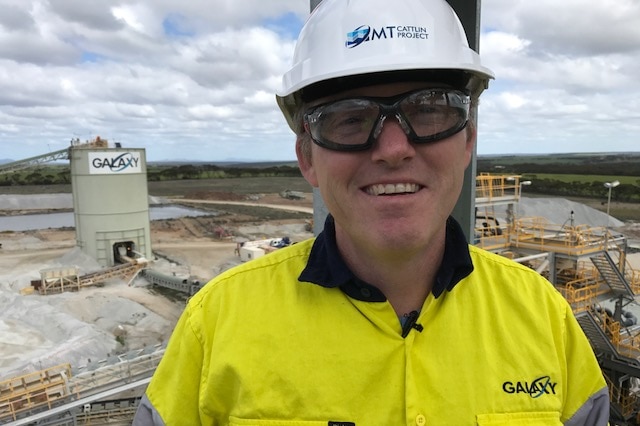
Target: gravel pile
x=38, y=331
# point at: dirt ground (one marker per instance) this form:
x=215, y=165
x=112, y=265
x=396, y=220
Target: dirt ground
x=198, y=247
x=205, y=244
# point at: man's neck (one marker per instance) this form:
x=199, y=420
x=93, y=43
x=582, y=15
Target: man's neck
x=406, y=279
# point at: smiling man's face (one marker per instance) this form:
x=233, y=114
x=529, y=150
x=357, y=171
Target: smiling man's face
x=396, y=195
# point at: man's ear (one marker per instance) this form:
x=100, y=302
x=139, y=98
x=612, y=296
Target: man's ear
x=305, y=163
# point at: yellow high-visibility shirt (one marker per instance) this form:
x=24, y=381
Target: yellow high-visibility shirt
x=258, y=347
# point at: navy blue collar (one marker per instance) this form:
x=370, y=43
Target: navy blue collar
x=326, y=267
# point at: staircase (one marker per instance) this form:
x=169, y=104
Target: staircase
x=623, y=399
x=611, y=274
x=595, y=334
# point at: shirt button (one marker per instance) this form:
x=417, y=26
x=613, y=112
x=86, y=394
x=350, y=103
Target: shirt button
x=365, y=292
x=421, y=420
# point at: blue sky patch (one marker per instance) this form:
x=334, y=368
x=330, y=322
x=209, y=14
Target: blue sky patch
x=91, y=57
x=176, y=25
x=287, y=25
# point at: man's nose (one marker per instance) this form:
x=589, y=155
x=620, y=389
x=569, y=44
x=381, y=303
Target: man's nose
x=392, y=144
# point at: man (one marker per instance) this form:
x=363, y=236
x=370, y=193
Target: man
x=388, y=317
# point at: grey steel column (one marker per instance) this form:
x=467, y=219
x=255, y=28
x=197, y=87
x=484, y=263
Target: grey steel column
x=469, y=13
x=320, y=211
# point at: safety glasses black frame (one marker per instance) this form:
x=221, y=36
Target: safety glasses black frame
x=390, y=106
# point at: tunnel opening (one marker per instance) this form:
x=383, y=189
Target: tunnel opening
x=124, y=252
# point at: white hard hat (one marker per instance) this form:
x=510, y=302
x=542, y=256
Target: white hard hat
x=344, y=40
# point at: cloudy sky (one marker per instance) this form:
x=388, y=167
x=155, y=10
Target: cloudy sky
x=195, y=80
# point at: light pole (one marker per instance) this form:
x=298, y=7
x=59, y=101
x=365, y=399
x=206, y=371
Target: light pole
x=609, y=185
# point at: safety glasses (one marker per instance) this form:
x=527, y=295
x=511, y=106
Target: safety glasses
x=425, y=115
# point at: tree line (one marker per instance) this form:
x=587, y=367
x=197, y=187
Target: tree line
x=588, y=166
x=599, y=168
x=595, y=189
x=55, y=175
x=211, y=171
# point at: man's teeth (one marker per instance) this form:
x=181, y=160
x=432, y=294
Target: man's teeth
x=390, y=188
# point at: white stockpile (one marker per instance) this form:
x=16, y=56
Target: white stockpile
x=78, y=328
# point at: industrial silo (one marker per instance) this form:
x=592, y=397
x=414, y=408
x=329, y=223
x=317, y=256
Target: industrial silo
x=110, y=201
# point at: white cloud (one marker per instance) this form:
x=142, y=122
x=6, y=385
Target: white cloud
x=512, y=100
x=499, y=44
x=573, y=27
x=128, y=15
x=565, y=74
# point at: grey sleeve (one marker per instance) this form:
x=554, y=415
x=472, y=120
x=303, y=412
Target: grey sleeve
x=146, y=414
x=594, y=412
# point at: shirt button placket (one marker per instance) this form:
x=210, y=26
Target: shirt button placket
x=421, y=420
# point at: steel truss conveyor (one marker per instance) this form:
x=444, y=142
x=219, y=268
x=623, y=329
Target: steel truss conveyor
x=59, y=393
x=62, y=154
x=57, y=280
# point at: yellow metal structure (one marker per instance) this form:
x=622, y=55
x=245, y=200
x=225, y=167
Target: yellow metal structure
x=54, y=387
x=587, y=265
x=39, y=389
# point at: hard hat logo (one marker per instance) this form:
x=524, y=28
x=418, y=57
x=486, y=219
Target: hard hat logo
x=358, y=36
x=365, y=33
